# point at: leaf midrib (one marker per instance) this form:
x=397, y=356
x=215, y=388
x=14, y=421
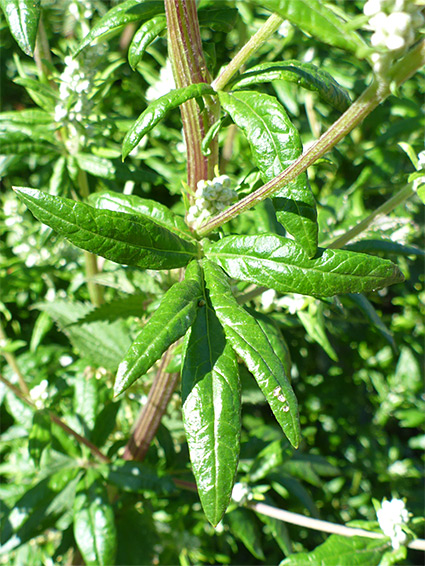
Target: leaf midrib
x=131, y=244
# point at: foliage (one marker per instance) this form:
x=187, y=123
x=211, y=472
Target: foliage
x=297, y=342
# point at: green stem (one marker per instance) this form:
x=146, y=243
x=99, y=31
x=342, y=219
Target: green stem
x=362, y=107
x=256, y=41
x=42, y=51
x=385, y=208
x=91, y=267
x=11, y=360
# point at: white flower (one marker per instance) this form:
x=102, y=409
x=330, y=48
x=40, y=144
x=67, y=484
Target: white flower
x=212, y=196
x=163, y=85
x=39, y=393
x=293, y=303
x=240, y=492
x=268, y=298
x=284, y=29
x=391, y=517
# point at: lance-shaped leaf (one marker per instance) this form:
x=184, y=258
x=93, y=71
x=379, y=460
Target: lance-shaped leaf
x=211, y=411
x=281, y=264
x=22, y=18
x=252, y=345
x=306, y=75
x=170, y=322
x=314, y=17
x=132, y=204
x=275, y=144
x=94, y=526
x=277, y=341
x=144, y=37
x=156, y=111
x=121, y=15
x=128, y=239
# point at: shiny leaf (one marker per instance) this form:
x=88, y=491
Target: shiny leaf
x=94, y=526
x=128, y=239
x=22, y=18
x=252, y=345
x=121, y=15
x=211, y=411
x=306, y=75
x=132, y=204
x=275, y=145
x=158, y=109
x=143, y=37
x=314, y=17
x=170, y=322
x=279, y=263
x=276, y=339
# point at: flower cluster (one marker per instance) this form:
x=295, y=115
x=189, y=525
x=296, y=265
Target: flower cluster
x=75, y=84
x=211, y=197
x=39, y=394
x=394, y=24
x=391, y=517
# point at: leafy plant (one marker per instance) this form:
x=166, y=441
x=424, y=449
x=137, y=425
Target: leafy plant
x=191, y=266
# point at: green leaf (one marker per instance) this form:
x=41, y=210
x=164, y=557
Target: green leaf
x=135, y=477
x=252, y=345
x=40, y=435
x=103, y=344
x=42, y=94
x=279, y=263
x=218, y=19
x=368, y=309
x=170, y=322
x=105, y=424
x=121, y=15
x=279, y=532
x=38, y=509
x=211, y=408
x=132, y=204
x=94, y=526
x=314, y=324
x=22, y=18
x=384, y=246
x=243, y=525
x=342, y=551
x=306, y=75
x=124, y=307
x=275, y=337
x=144, y=37
x=28, y=117
x=25, y=143
x=158, y=109
x=314, y=17
x=113, y=169
x=275, y=145
x=86, y=399
x=128, y=239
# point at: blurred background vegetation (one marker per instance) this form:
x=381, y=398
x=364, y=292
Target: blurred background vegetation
x=357, y=364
